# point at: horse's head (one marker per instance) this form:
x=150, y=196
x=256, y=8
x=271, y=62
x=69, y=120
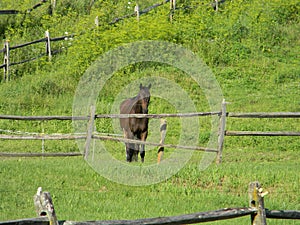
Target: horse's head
x=144, y=97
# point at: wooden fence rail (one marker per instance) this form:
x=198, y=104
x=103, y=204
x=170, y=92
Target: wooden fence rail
x=91, y=134
x=260, y=133
x=13, y=11
x=256, y=210
x=265, y=115
x=7, y=48
x=58, y=154
x=137, y=12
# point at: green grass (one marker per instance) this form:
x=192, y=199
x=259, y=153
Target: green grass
x=253, y=51
x=81, y=194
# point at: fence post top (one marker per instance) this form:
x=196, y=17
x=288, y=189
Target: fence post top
x=225, y=102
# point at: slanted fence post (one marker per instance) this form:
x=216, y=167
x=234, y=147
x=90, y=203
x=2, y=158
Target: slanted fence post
x=90, y=129
x=6, y=61
x=221, y=132
x=256, y=200
x=44, y=206
x=163, y=132
x=48, y=46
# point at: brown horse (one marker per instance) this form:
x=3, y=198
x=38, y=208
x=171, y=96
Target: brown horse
x=135, y=128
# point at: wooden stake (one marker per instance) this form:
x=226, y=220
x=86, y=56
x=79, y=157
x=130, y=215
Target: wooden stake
x=163, y=131
x=172, y=9
x=44, y=206
x=256, y=200
x=43, y=141
x=48, y=46
x=221, y=132
x=90, y=130
x=6, y=61
x=97, y=21
x=137, y=11
x=217, y=5
x=53, y=4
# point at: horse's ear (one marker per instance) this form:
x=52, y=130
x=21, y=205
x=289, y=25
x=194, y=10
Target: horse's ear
x=149, y=86
x=141, y=86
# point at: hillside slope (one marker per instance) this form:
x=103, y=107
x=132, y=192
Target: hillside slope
x=251, y=47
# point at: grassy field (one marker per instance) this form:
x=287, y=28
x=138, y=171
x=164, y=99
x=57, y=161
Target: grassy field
x=79, y=193
x=252, y=48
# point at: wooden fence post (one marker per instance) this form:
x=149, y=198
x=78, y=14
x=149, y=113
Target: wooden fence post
x=43, y=140
x=53, y=4
x=163, y=131
x=221, y=132
x=217, y=5
x=97, y=21
x=44, y=206
x=90, y=129
x=137, y=11
x=6, y=61
x=172, y=9
x=256, y=200
x=48, y=46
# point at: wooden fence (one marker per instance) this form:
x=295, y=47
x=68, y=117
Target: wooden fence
x=7, y=48
x=137, y=12
x=256, y=210
x=91, y=134
x=14, y=11
x=48, y=52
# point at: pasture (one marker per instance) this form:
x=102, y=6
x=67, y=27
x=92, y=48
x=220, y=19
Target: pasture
x=251, y=48
x=81, y=194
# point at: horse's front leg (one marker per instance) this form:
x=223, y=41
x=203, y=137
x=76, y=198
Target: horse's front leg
x=128, y=146
x=142, y=148
x=135, y=150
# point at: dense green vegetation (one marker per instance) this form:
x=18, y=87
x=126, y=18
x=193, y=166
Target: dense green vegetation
x=252, y=47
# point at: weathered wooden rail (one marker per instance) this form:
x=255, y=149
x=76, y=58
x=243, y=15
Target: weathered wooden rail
x=90, y=134
x=263, y=115
x=49, y=52
x=47, y=39
x=256, y=210
x=137, y=12
x=14, y=11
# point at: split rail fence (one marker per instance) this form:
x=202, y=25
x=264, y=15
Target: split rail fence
x=49, y=52
x=256, y=210
x=137, y=13
x=14, y=11
x=90, y=133
x=7, y=48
